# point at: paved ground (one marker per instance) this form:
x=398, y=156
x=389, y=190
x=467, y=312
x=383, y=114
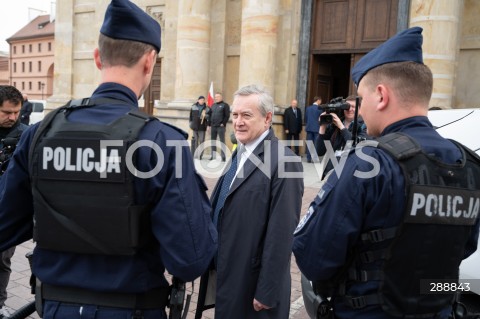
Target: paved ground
x=19, y=287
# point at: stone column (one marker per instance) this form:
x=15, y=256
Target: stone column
x=304, y=53
x=440, y=22
x=63, y=79
x=193, y=51
x=259, y=43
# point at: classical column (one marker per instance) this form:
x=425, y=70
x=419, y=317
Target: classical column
x=193, y=51
x=304, y=53
x=63, y=61
x=259, y=43
x=440, y=22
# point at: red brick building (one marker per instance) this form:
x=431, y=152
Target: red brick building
x=32, y=58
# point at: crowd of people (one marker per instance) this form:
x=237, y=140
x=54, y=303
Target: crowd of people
x=106, y=234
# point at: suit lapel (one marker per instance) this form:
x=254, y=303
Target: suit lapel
x=249, y=167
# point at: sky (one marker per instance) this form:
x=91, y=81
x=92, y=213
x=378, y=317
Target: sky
x=15, y=14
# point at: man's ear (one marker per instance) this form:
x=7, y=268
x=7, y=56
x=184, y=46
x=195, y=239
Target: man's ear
x=150, y=61
x=383, y=96
x=268, y=119
x=96, y=58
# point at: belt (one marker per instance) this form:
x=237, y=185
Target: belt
x=153, y=299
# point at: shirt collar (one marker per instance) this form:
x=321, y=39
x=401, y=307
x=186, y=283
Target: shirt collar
x=250, y=147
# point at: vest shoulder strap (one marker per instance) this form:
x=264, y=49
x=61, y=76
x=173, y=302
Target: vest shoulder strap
x=399, y=145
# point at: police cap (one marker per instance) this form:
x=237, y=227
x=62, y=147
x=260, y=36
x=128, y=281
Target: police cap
x=404, y=46
x=125, y=21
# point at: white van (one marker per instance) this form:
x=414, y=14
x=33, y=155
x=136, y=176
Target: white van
x=38, y=111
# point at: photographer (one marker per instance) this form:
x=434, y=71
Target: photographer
x=339, y=131
x=10, y=130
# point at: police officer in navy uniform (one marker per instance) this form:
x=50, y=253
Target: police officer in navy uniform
x=109, y=194
x=403, y=212
x=11, y=129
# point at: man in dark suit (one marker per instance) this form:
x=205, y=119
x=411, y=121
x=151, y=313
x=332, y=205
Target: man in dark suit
x=312, y=125
x=292, y=123
x=256, y=206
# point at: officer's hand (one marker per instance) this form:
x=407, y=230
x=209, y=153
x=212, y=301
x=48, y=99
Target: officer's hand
x=337, y=121
x=286, y=131
x=258, y=305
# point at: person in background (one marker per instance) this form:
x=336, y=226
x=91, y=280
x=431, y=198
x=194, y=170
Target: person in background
x=107, y=229
x=218, y=116
x=292, y=123
x=10, y=131
x=27, y=108
x=339, y=132
x=198, y=123
x=255, y=209
x=378, y=236
x=312, y=126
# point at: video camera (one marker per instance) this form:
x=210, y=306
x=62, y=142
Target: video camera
x=336, y=105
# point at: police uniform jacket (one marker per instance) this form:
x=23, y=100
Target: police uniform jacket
x=184, y=237
x=255, y=237
x=349, y=206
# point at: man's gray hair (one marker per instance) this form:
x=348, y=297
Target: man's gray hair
x=264, y=98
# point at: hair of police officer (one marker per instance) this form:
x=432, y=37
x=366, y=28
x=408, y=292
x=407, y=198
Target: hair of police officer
x=115, y=52
x=411, y=82
x=11, y=94
x=265, y=100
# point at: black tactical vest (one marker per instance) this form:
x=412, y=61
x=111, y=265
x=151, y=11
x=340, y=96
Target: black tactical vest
x=443, y=202
x=82, y=186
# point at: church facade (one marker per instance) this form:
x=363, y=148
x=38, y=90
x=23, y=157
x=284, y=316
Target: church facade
x=295, y=48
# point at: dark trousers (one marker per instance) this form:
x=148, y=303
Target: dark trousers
x=220, y=132
x=294, y=137
x=197, y=139
x=5, y=270
x=311, y=136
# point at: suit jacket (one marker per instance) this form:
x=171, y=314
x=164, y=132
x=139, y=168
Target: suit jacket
x=256, y=233
x=291, y=122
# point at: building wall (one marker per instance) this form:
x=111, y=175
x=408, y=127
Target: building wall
x=201, y=43
x=468, y=71
x=32, y=68
x=237, y=42
x=4, y=69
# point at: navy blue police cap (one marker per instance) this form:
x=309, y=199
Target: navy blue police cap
x=404, y=46
x=125, y=21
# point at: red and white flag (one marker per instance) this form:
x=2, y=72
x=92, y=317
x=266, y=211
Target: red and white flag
x=210, y=100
